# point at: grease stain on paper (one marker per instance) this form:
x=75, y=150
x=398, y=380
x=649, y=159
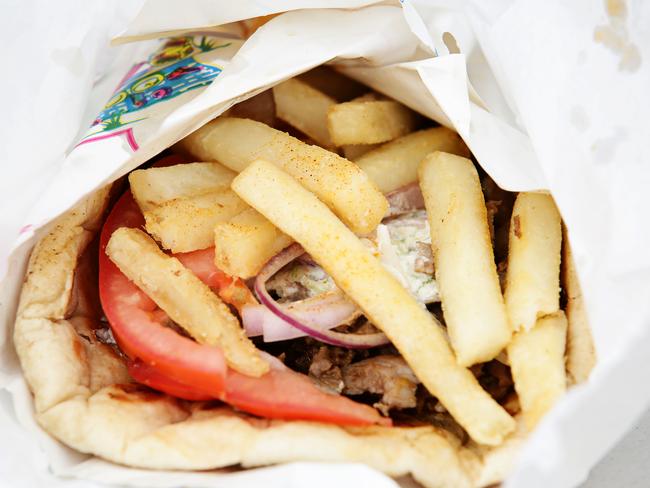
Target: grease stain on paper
x=451, y=43
x=604, y=148
x=615, y=37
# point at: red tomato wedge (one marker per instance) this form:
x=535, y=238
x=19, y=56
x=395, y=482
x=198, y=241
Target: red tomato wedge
x=231, y=290
x=285, y=394
x=280, y=394
x=166, y=361
x=138, y=325
x=148, y=375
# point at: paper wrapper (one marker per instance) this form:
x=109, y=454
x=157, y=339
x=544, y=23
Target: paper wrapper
x=546, y=96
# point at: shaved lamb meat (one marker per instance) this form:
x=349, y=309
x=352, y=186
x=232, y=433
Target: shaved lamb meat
x=389, y=376
x=492, y=207
x=424, y=259
x=405, y=200
x=325, y=367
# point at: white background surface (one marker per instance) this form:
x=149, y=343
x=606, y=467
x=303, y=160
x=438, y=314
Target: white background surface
x=628, y=464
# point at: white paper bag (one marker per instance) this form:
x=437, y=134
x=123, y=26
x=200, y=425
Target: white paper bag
x=546, y=95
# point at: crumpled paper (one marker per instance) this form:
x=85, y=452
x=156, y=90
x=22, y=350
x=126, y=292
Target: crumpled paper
x=546, y=95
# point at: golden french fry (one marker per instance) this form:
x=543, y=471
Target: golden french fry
x=339, y=183
x=187, y=224
x=580, y=353
x=305, y=108
x=369, y=122
x=411, y=328
x=243, y=244
x=463, y=258
x=355, y=151
x=537, y=364
x=395, y=164
x=154, y=186
x=533, y=275
x=185, y=298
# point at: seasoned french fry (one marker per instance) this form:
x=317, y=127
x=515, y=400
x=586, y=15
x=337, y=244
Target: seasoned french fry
x=185, y=298
x=580, y=351
x=187, y=224
x=243, y=244
x=537, y=364
x=463, y=258
x=339, y=183
x=154, y=186
x=389, y=306
x=333, y=84
x=533, y=275
x=305, y=108
x=355, y=151
x=369, y=122
x=395, y=164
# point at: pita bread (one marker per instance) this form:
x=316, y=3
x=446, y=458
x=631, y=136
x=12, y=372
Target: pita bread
x=85, y=398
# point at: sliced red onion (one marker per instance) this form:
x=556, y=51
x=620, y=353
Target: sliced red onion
x=253, y=318
x=353, y=341
x=322, y=312
x=404, y=200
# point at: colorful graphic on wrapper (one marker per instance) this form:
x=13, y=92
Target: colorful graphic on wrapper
x=169, y=72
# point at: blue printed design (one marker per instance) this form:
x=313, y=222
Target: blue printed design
x=168, y=73
x=154, y=87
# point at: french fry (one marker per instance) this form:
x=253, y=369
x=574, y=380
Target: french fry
x=355, y=151
x=243, y=244
x=154, y=186
x=395, y=164
x=411, y=328
x=339, y=183
x=305, y=108
x=463, y=258
x=580, y=351
x=537, y=364
x=333, y=84
x=533, y=275
x=185, y=298
x=369, y=122
x=187, y=224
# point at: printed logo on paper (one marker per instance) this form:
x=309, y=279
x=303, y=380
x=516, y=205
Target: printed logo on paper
x=177, y=67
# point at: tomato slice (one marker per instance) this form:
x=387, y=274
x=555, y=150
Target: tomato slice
x=231, y=290
x=280, y=394
x=171, y=363
x=138, y=325
x=285, y=394
x=150, y=376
